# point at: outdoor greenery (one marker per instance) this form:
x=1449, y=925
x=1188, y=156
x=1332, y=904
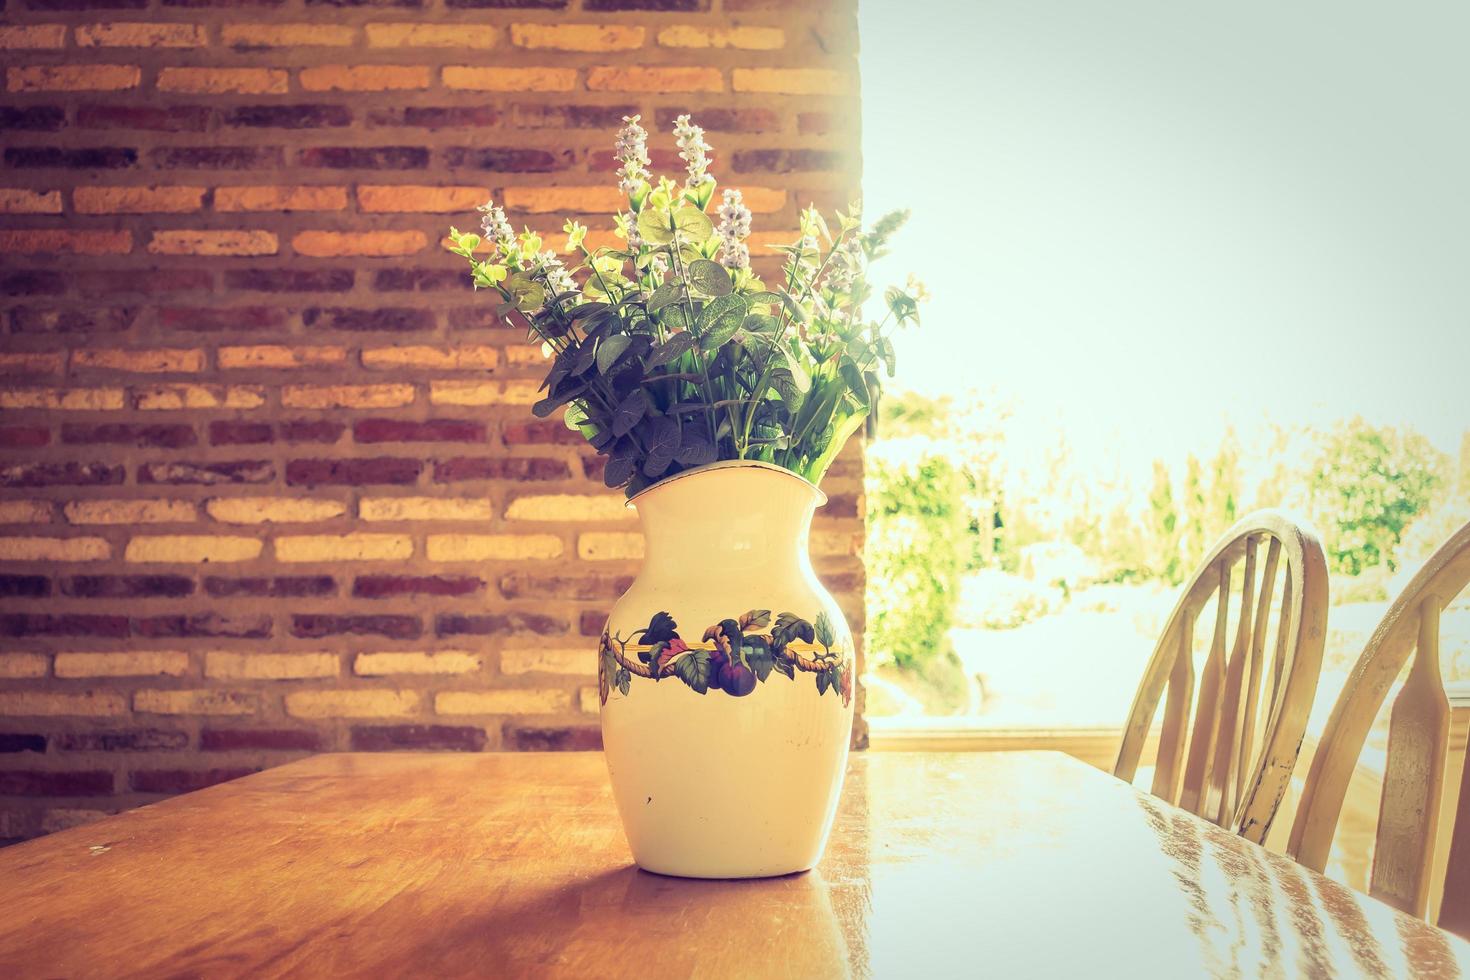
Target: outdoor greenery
x=959, y=541
x=671, y=352
x=917, y=548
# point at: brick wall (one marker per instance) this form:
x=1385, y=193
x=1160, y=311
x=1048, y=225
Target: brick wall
x=270, y=482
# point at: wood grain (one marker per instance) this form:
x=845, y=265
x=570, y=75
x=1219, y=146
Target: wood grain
x=1018, y=864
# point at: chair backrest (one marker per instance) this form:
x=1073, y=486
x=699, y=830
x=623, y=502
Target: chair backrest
x=1230, y=766
x=1418, y=738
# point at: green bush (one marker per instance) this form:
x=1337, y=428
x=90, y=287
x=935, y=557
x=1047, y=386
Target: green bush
x=1367, y=484
x=916, y=551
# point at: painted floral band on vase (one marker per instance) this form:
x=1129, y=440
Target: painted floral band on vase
x=737, y=658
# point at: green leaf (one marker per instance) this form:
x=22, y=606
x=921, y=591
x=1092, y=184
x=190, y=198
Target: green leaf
x=670, y=350
x=622, y=680
x=655, y=226
x=798, y=371
x=758, y=656
x=785, y=386
x=824, y=681
x=755, y=619
x=797, y=311
x=662, y=443
x=610, y=350
x=630, y=412
x=709, y=278
x=661, y=627
x=693, y=669
x=785, y=666
x=527, y=292
x=856, y=383
x=719, y=321
x=825, y=633
x=663, y=296
x=693, y=224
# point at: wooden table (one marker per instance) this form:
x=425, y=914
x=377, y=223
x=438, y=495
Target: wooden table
x=514, y=865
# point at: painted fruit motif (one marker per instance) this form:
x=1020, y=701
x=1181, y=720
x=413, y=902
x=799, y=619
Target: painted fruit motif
x=735, y=656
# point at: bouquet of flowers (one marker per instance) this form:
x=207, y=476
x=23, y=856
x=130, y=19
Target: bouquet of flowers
x=671, y=352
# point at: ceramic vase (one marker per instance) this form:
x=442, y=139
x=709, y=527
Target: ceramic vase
x=726, y=674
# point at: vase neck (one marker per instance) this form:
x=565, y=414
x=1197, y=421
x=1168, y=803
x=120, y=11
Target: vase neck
x=727, y=520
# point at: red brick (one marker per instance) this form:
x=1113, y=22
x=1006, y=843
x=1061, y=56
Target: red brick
x=312, y=430
x=218, y=157
x=519, y=586
x=21, y=742
x=540, y=434
x=24, y=436
x=258, y=739
x=436, y=117
x=592, y=623
x=208, y=624
x=506, y=159
x=33, y=282
x=572, y=738
x=290, y=281
x=228, y=319
x=208, y=474
x=25, y=586
x=232, y=433
x=38, y=118
x=28, y=319
x=128, y=740
x=432, y=430
x=127, y=586
x=317, y=625
x=381, y=470
x=392, y=586
x=306, y=116
x=388, y=319
x=495, y=624
x=60, y=475
x=435, y=738
x=724, y=120
x=499, y=468
x=62, y=624
x=365, y=157
x=785, y=161
x=420, y=280
x=284, y=587
x=163, y=119
x=21, y=782
x=182, y=780
x=82, y=158
x=128, y=434
x=533, y=115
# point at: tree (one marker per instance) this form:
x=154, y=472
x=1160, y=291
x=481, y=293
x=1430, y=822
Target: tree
x=1367, y=484
x=1164, y=527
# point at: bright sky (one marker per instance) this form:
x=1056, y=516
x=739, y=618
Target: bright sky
x=1141, y=219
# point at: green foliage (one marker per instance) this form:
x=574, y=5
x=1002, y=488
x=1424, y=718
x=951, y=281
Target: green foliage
x=1366, y=484
x=916, y=553
x=671, y=353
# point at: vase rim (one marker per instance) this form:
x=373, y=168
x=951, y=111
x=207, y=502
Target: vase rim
x=730, y=464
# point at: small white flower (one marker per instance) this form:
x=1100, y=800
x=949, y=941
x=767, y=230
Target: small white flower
x=497, y=229
x=558, y=279
x=733, y=229
x=631, y=149
x=693, y=150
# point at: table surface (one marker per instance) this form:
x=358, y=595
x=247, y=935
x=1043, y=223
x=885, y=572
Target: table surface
x=1026, y=863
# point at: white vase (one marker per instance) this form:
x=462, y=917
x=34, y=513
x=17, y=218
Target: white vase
x=741, y=780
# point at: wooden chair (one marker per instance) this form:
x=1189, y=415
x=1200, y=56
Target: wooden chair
x=1414, y=770
x=1228, y=767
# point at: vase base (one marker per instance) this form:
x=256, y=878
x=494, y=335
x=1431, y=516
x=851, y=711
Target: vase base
x=719, y=874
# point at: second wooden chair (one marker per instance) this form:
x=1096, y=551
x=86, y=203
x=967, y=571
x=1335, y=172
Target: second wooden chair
x=1233, y=764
